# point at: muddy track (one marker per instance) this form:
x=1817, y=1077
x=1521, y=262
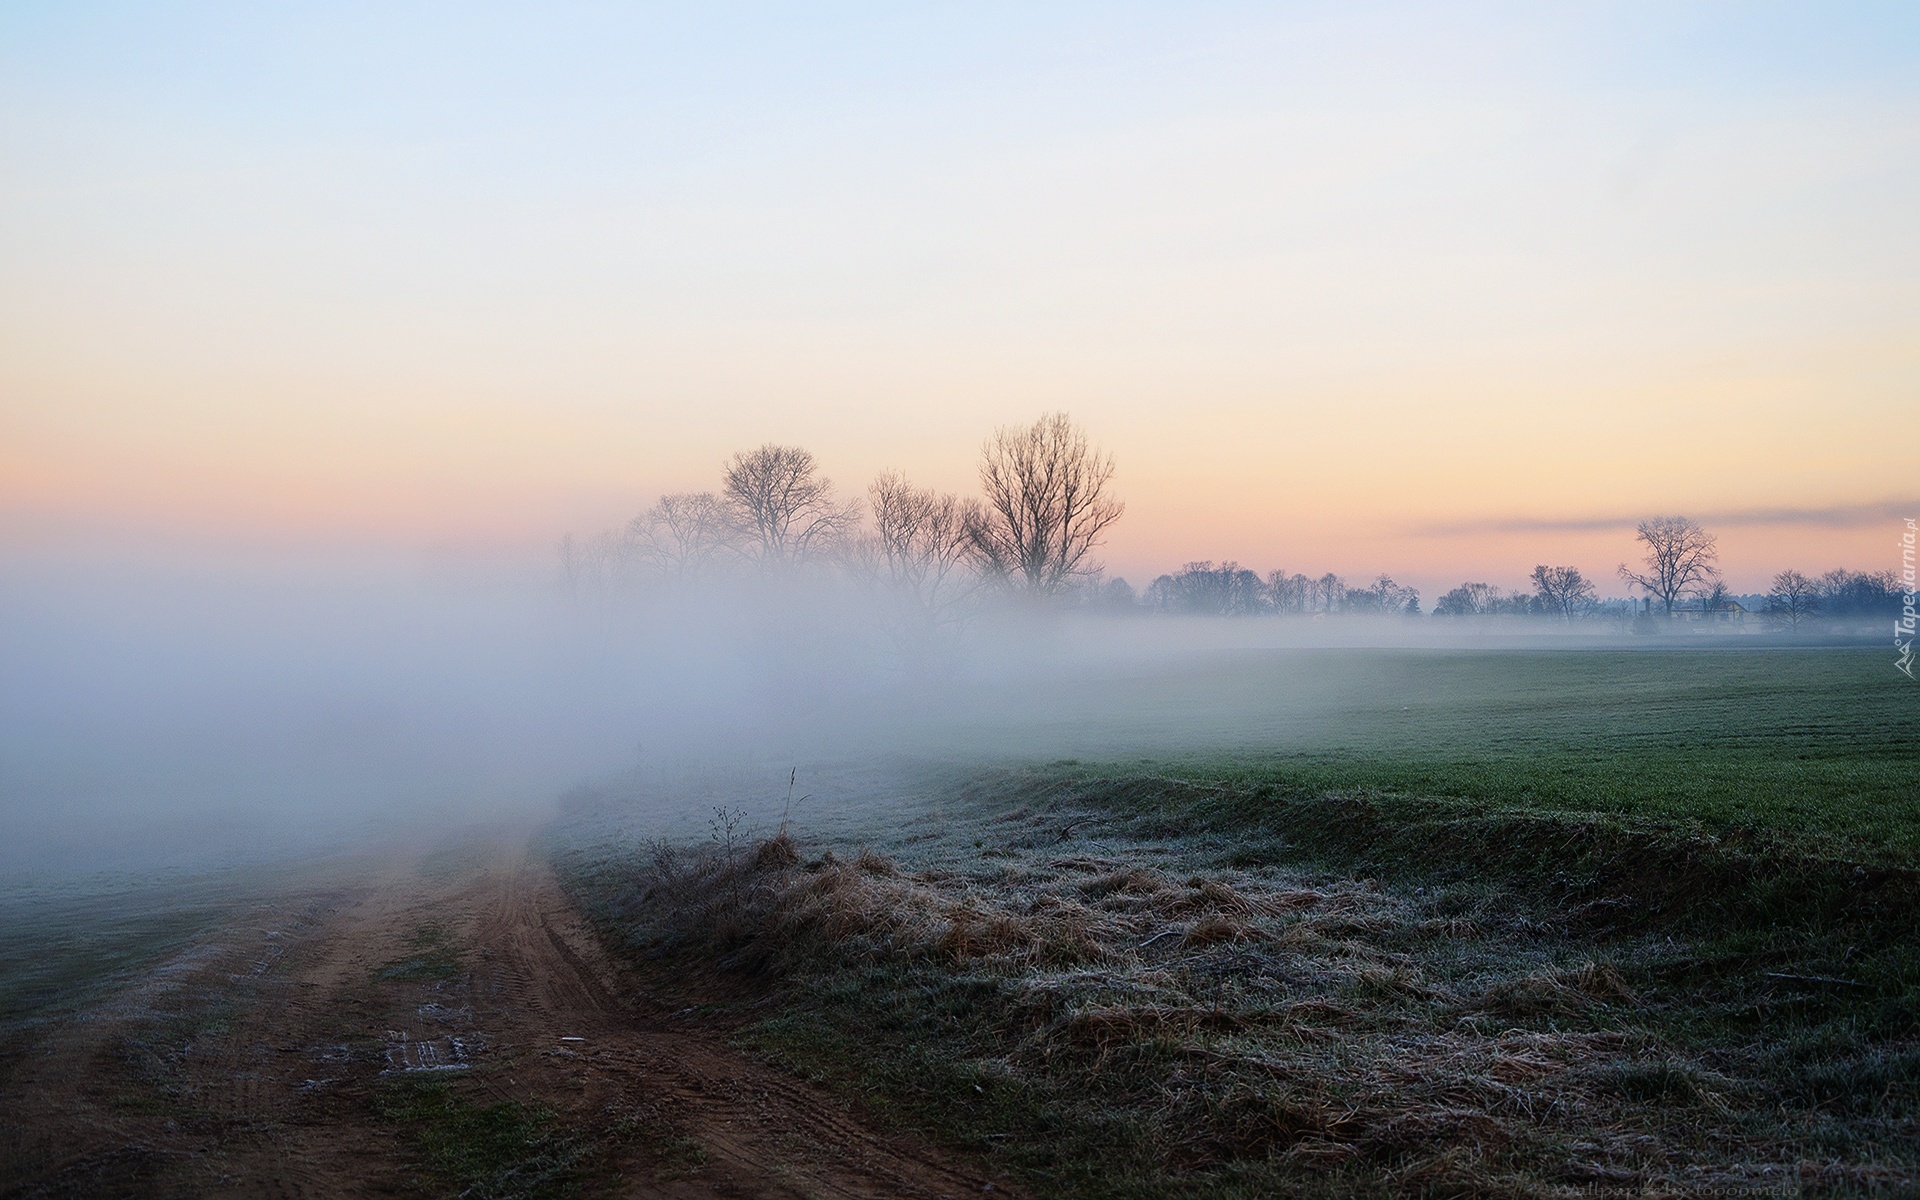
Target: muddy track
x=254, y=1064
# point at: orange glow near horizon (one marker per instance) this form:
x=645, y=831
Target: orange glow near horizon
x=1338, y=292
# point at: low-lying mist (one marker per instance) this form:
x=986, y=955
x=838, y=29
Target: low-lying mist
x=195, y=709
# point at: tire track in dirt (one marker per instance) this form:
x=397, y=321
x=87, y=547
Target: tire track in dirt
x=773, y=1134
x=251, y=1064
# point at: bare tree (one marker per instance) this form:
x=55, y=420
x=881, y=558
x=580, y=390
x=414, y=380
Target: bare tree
x=597, y=565
x=1287, y=593
x=683, y=535
x=1792, y=598
x=1326, y=594
x=1200, y=587
x=1848, y=594
x=1563, y=591
x=1382, y=597
x=1680, y=559
x=1395, y=599
x=1046, y=504
x=921, y=538
x=1469, y=600
x=782, y=507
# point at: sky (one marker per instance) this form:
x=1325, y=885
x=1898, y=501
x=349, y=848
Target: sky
x=1438, y=290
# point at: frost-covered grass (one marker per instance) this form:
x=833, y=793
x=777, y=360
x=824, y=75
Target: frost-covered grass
x=1467, y=923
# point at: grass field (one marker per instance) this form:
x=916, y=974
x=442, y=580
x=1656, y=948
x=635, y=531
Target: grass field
x=1350, y=923
x=1805, y=741
x=61, y=948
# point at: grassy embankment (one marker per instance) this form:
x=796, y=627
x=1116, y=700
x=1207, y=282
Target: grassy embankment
x=1521, y=923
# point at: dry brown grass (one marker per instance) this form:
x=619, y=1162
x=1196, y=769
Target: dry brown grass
x=776, y=852
x=1558, y=990
x=1244, y=1021
x=1217, y=927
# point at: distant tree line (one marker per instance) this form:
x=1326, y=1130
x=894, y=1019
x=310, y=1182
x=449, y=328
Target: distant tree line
x=1681, y=571
x=1836, y=595
x=1232, y=590
x=1044, y=507
x=1679, y=578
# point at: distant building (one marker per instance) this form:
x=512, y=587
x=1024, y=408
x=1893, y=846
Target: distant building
x=1727, y=612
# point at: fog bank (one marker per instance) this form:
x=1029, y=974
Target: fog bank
x=202, y=708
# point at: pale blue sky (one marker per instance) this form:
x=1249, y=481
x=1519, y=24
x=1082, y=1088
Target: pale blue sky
x=1311, y=271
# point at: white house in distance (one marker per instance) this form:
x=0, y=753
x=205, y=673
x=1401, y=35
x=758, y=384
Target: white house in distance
x=1727, y=612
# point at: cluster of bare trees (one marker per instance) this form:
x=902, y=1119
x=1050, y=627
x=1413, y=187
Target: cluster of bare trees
x=1681, y=562
x=1046, y=504
x=1794, y=599
x=1232, y=590
x=1682, y=572
x=1561, y=593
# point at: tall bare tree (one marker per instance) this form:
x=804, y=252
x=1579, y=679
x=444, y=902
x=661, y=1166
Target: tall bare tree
x=1681, y=560
x=922, y=536
x=1792, y=598
x=1046, y=504
x=783, y=508
x=1563, y=591
x=682, y=536
x=919, y=551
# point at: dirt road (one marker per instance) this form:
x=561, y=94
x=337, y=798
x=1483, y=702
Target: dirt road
x=265, y=1062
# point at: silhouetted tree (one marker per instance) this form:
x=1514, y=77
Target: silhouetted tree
x=1326, y=594
x=1393, y=599
x=1200, y=587
x=1046, y=504
x=683, y=535
x=1713, y=595
x=1844, y=593
x=921, y=541
x=1287, y=593
x=1562, y=591
x=1792, y=598
x=782, y=508
x=1680, y=559
x=1469, y=600
x=1115, y=595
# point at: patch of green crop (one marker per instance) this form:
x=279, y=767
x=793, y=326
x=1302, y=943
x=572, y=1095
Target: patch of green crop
x=58, y=952
x=1817, y=743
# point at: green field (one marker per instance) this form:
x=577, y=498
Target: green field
x=1820, y=743
x=1339, y=923
x=62, y=948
